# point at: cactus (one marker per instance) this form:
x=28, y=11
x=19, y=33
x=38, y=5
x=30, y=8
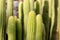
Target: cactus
x=31, y=5
x=9, y=8
x=2, y=19
x=20, y=21
x=40, y=30
x=26, y=9
x=52, y=19
x=20, y=9
x=45, y=17
x=31, y=26
x=19, y=29
x=36, y=7
x=11, y=29
x=9, y=11
x=50, y=8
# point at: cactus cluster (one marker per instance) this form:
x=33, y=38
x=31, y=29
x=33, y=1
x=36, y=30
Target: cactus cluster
x=37, y=20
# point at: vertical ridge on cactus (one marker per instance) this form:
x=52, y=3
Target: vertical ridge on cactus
x=20, y=9
x=58, y=20
x=52, y=19
x=18, y=30
x=2, y=19
x=26, y=9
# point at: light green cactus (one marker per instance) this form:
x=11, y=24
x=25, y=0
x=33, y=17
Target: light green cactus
x=2, y=19
x=20, y=21
x=11, y=29
x=18, y=30
x=31, y=26
x=26, y=9
x=40, y=30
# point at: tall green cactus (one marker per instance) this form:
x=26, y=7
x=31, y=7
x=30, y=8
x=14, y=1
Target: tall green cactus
x=26, y=9
x=45, y=17
x=18, y=30
x=40, y=30
x=11, y=29
x=31, y=26
x=31, y=4
x=20, y=21
x=2, y=19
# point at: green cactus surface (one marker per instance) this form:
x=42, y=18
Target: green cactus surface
x=31, y=26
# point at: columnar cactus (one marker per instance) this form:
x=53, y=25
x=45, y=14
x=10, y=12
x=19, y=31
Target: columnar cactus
x=11, y=29
x=2, y=19
x=20, y=21
x=26, y=9
x=40, y=30
x=45, y=17
x=18, y=30
x=31, y=26
x=52, y=18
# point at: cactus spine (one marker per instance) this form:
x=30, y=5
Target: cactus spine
x=40, y=35
x=11, y=29
x=19, y=29
x=2, y=19
x=26, y=10
x=31, y=26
